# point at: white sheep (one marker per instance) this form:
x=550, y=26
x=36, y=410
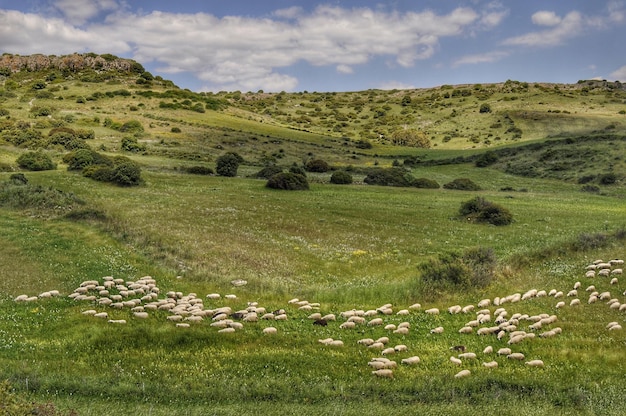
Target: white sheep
x=325, y=341
x=455, y=360
x=411, y=360
x=102, y=315
x=228, y=330
x=415, y=306
x=403, y=312
x=347, y=325
x=385, y=373
x=534, y=363
x=462, y=373
x=336, y=343
x=365, y=341
x=454, y=309
x=401, y=331
x=614, y=281
x=466, y=330
x=438, y=330
x=387, y=351
x=375, y=322
x=488, y=349
x=574, y=302
x=515, y=356
x=185, y=325
x=140, y=315
x=432, y=311
x=270, y=330
x=401, y=348
x=117, y=321
x=504, y=351
x=491, y=364
x=468, y=355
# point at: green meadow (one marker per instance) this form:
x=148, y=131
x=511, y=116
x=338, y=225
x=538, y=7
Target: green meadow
x=339, y=247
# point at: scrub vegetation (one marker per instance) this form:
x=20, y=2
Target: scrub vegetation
x=532, y=192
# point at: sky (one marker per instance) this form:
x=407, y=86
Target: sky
x=334, y=45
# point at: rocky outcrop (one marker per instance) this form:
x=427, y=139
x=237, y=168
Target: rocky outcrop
x=73, y=63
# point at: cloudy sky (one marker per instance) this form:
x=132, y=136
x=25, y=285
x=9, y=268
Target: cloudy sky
x=334, y=45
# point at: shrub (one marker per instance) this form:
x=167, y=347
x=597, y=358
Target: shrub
x=462, y=184
x=100, y=173
x=19, y=194
x=474, y=268
x=35, y=161
x=298, y=170
x=79, y=159
x=425, y=183
x=480, y=210
x=486, y=159
x=288, y=181
x=268, y=171
x=363, y=144
x=341, y=178
x=388, y=177
x=485, y=108
x=175, y=130
x=39, y=111
x=607, y=179
x=127, y=173
x=130, y=144
x=227, y=165
x=317, y=165
x=199, y=170
x=132, y=126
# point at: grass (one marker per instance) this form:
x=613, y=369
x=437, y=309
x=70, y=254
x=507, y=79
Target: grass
x=346, y=247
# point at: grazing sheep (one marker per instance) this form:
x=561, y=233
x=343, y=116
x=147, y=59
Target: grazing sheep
x=315, y=316
x=462, y=373
x=228, y=330
x=455, y=360
x=614, y=281
x=387, y=351
x=484, y=303
x=515, y=356
x=320, y=322
x=411, y=360
x=185, y=325
x=329, y=317
x=357, y=319
x=390, y=327
x=466, y=330
x=280, y=317
x=614, y=326
x=377, y=365
x=577, y=285
x=438, y=330
x=270, y=330
x=336, y=343
x=385, y=373
x=325, y=341
x=616, y=271
x=590, y=274
x=454, y=309
x=365, y=341
x=347, y=325
x=415, y=306
x=102, y=315
x=375, y=322
x=591, y=288
x=468, y=356
x=384, y=340
x=376, y=346
x=140, y=315
x=432, y=311
x=403, y=312
x=504, y=351
x=574, y=302
x=117, y=321
x=491, y=364
x=401, y=348
x=488, y=349
x=534, y=363
x=605, y=296
x=401, y=331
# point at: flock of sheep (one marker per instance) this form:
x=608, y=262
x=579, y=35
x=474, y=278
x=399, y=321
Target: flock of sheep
x=489, y=318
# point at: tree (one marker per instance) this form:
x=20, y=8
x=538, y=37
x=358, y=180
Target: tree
x=410, y=137
x=227, y=165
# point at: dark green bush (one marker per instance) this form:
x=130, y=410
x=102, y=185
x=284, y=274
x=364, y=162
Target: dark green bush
x=268, y=171
x=607, y=179
x=175, y=130
x=486, y=159
x=132, y=126
x=17, y=194
x=35, y=161
x=288, y=181
x=474, y=268
x=480, y=210
x=126, y=174
x=388, y=177
x=425, y=183
x=39, y=111
x=485, y=108
x=100, y=173
x=462, y=184
x=341, y=178
x=317, y=165
x=227, y=165
x=298, y=170
x=199, y=170
x=130, y=144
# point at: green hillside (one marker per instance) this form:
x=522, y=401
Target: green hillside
x=458, y=194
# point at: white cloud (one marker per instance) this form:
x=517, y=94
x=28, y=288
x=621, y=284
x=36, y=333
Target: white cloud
x=80, y=11
x=481, y=58
x=345, y=69
x=545, y=18
x=395, y=85
x=620, y=74
x=570, y=26
x=238, y=52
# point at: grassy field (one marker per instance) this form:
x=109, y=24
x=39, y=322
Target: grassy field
x=339, y=247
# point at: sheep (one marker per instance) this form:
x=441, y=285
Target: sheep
x=468, y=356
x=415, y=306
x=185, y=325
x=488, y=349
x=473, y=323
x=438, y=330
x=574, y=302
x=174, y=318
x=390, y=327
x=401, y=331
x=325, y=341
x=320, y=322
x=357, y=319
x=614, y=281
x=347, y=325
x=411, y=360
x=454, y=309
x=235, y=325
x=590, y=274
x=365, y=341
x=21, y=298
x=592, y=299
x=491, y=364
x=329, y=317
x=117, y=321
x=515, y=356
x=605, y=296
x=572, y=293
x=140, y=315
x=387, y=351
x=404, y=325
x=377, y=365
x=403, y=312
x=534, y=363
x=280, y=317
x=376, y=345
x=102, y=315
x=504, y=351
x=315, y=316
x=462, y=373
x=466, y=330
x=604, y=272
x=577, y=285
x=455, y=360
x=228, y=330
x=384, y=340
x=432, y=311
x=614, y=326
x=484, y=303
x=375, y=322
x=590, y=288
x=269, y=330
x=336, y=343
x=385, y=373
x=401, y=348
x=616, y=271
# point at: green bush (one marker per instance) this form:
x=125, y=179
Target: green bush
x=199, y=170
x=474, y=268
x=100, y=173
x=341, y=178
x=268, y=171
x=425, y=183
x=132, y=126
x=39, y=111
x=485, y=108
x=288, y=181
x=480, y=210
x=35, y=161
x=317, y=165
x=126, y=174
x=388, y=177
x=130, y=144
x=227, y=164
x=462, y=184
x=17, y=193
x=607, y=179
x=486, y=159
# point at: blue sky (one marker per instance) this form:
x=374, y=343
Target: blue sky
x=335, y=45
